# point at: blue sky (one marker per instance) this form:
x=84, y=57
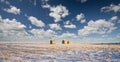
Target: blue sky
x=80, y=21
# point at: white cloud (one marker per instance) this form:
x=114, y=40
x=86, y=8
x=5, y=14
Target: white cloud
x=81, y=17
x=12, y=28
x=55, y=26
x=67, y=35
x=41, y=33
x=46, y=6
x=83, y=1
x=112, y=7
x=83, y=21
x=114, y=18
x=100, y=26
x=36, y=22
x=57, y=12
x=13, y=10
x=68, y=24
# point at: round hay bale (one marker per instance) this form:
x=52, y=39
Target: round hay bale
x=68, y=42
x=52, y=42
x=64, y=42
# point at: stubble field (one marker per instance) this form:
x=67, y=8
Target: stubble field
x=39, y=52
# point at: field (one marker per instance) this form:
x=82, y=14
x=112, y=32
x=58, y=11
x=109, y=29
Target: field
x=40, y=52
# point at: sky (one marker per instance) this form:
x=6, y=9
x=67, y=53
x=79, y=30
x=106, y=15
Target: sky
x=79, y=21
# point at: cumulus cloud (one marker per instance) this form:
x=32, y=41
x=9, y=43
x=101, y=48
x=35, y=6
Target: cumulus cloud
x=57, y=12
x=9, y=28
x=112, y=7
x=67, y=35
x=13, y=10
x=46, y=6
x=12, y=30
x=41, y=33
x=83, y=21
x=100, y=26
x=55, y=26
x=36, y=22
x=68, y=24
x=114, y=19
x=80, y=17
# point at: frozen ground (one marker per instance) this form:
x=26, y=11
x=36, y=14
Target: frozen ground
x=35, y=52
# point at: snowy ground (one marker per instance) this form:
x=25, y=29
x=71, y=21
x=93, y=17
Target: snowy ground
x=35, y=52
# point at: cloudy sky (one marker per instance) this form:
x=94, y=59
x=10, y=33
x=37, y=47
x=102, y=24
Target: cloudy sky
x=80, y=21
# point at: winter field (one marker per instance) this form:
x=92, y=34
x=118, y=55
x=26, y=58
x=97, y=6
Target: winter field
x=38, y=52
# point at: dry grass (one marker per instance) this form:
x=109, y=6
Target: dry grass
x=20, y=52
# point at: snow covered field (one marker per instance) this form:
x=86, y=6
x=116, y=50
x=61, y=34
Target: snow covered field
x=36, y=52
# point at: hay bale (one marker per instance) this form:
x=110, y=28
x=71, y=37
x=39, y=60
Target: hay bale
x=52, y=42
x=68, y=42
x=65, y=42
